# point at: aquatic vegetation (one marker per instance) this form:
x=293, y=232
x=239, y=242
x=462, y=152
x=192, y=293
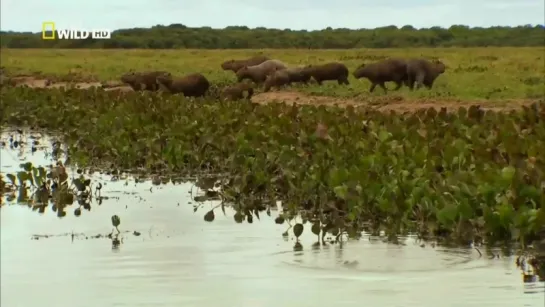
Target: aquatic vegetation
x=469, y=175
x=116, y=221
x=39, y=187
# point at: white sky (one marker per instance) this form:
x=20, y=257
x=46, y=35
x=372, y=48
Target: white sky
x=28, y=15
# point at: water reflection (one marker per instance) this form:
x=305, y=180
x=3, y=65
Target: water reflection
x=179, y=260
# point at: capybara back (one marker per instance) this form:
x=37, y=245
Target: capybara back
x=235, y=65
x=329, y=71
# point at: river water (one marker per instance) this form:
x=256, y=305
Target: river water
x=180, y=260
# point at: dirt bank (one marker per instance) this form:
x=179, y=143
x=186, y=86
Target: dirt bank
x=384, y=103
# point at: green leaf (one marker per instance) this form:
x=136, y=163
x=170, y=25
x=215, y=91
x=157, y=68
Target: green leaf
x=11, y=178
x=341, y=191
x=447, y=215
x=507, y=173
x=384, y=135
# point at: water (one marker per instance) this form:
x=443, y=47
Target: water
x=180, y=260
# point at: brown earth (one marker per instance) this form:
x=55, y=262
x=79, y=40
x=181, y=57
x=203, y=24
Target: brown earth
x=384, y=103
x=387, y=103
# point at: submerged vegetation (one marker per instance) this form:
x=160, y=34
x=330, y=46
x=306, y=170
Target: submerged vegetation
x=470, y=175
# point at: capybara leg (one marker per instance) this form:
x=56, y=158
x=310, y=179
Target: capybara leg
x=383, y=87
x=429, y=84
x=372, y=88
x=344, y=81
x=341, y=81
x=398, y=85
x=419, y=80
x=410, y=83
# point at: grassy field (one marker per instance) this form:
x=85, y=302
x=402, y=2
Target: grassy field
x=472, y=73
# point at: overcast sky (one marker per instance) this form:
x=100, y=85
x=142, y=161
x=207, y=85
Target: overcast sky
x=28, y=15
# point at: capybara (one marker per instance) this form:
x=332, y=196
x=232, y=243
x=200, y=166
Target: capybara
x=329, y=71
x=383, y=71
x=298, y=74
x=423, y=72
x=235, y=65
x=145, y=80
x=380, y=72
x=191, y=85
x=236, y=92
x=277, y=79
x=258, y=73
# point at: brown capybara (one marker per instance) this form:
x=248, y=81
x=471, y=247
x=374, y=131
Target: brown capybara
x=142, y=80
x=145, y=80
x=298, y=74
x=235, y=65
x=258, y=73
x=423, y=72
x=191, y=85
x=383, y=71
x=277, y=79
x=327, y=72
x=236, y=92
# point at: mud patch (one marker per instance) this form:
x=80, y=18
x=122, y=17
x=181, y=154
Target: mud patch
x=389, y=103
x=34, y=82
x=382, y=103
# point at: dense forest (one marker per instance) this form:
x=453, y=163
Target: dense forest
x=180, y=36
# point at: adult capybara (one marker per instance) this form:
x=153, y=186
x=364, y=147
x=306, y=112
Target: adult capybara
x=145, y=80
x=235, y=65
x=236, y=92
x=423, y=72
x=383, y=71
x=298, y=74
x=191, y=85
x=277, y=79
x=258, y=73
x=327, y=72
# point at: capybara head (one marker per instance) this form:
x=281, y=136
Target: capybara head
x=242, y=73
x=227, y=65
x=439, y=66
x=358, y=73
x=129, y=77
x=164, y=78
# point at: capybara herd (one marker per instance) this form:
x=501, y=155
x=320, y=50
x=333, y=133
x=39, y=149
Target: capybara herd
x=272, y=73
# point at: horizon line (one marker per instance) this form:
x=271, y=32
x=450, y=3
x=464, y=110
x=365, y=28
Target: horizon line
x=246, y=28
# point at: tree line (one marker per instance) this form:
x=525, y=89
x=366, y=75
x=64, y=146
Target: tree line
x=240, y=37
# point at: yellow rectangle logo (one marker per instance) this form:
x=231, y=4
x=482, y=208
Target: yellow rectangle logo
x=45, y=27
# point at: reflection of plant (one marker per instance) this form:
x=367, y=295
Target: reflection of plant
x=115, y=222
x=51, y=186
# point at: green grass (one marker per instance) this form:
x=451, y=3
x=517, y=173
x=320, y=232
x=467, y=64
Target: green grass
x=472, y=73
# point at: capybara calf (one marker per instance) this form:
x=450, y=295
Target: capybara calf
x=277, y=79
x=298, y=74
x=258, y=73
x=191, y=85
x=235, y=65
x=329, y=71
x=383, y=71
x=423, y=72
x=142, y=80
x=236, y=92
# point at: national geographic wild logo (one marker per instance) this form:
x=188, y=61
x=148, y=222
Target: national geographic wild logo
x=51, y=32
